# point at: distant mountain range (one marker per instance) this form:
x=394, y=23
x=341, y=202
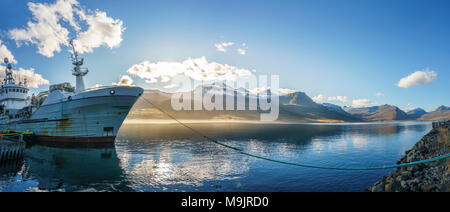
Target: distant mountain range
x=442, y=112
x=393, y=113
x=379, y=113
x=297, y=107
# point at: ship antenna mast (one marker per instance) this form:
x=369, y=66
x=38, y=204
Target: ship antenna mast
x=9, y=78
x=78, y=71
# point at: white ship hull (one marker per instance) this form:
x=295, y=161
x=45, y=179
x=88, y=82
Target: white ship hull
x=93, y=116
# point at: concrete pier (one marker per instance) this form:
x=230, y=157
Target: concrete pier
x=11, y=150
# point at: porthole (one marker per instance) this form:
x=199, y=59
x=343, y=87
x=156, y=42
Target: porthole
x=112, y=92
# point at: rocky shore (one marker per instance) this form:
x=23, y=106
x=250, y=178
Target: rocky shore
x=430, y=177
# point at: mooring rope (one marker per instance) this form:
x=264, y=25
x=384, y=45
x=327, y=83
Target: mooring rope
x=291, y=163
x=13, y=134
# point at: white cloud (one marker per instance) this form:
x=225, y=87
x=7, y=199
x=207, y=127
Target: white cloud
x=125, y=80
x=408, y=107
x=357, y=103
x=259, y=90
x=319, y=98
x=47, y=32
x=197, y=69
x=242, y=51
x=33, y=80
x=338, y=98
x=285, y=91
x=281, y=91
x=222, y=47
x=170, y=86
x=21, y=75
x=379, y=94
x=418, y=78
x=103, y=30
x=4, y=52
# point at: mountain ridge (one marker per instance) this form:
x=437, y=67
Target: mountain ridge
x=293, y=107
x=442, y=112
x=416, y=113
x=297, y=106
x=379, y=113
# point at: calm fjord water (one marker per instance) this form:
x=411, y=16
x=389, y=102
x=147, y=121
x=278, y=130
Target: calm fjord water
x=168, y=157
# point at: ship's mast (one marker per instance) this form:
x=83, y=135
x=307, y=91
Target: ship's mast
x=9, y=78
x=77, y=71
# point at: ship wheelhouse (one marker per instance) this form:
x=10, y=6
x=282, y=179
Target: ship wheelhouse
x=13, y=97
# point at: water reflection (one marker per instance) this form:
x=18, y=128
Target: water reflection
x=73, y=169
x=173, y=163
x=10, y=169
x=359, y=140
x=177, y=165
x=169, y=157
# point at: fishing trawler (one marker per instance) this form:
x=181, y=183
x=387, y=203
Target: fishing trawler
x=65, y=113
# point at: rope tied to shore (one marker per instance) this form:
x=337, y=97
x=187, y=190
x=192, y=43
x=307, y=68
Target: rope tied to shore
x=296, y=164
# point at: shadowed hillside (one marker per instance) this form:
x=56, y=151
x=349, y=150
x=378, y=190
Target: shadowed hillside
x=379, y=113
x=416, y=113
x=443, y=112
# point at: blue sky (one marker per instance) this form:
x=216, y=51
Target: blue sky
x=336, y=48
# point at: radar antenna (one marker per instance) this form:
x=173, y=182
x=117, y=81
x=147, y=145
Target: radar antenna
x=78, y=71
